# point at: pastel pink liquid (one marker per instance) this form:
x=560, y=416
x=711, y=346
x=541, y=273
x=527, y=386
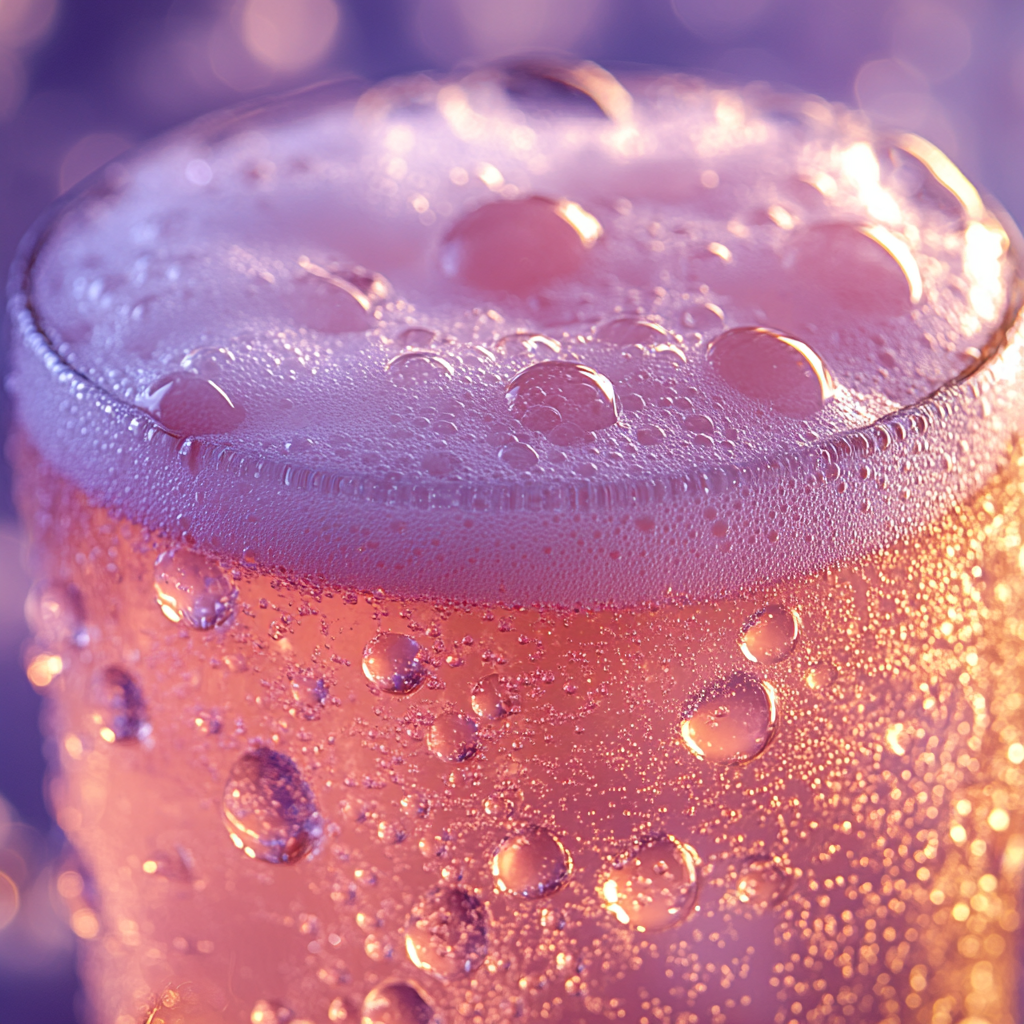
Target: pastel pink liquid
x=515, y=548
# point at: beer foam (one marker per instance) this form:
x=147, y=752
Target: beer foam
x=449, y=341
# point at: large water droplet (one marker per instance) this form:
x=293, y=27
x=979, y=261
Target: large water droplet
x=774, y=368
x=397, y=1002
x=761, y=883
x=531, y=346
x=490, y=699
x=630, y=331
x=531, y=864
x=770, y=635
x=192, y=589
x=564, y=401
x=269, y=809
x=518, y=246
x=188, y=405
x=335, y=300
x=446, y=934
x=732, y=721
x=452, y=737
x=394, y=662
x=653, y=886
x=419, y=367
x=126, y=709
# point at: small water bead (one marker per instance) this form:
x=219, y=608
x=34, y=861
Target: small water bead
x=188, y=405
x=489, y=699
x=531, y=863
x=629, y=331
x=446, y=934
x=654, y=886
x=762, y=883
x=191, y=589
x=269, y=809
x=768, y=366
x=732, y=721
x=419, y=367
x=397, y=1002
x=563, y=401
x=395, y=663
x=452, y=737
x=770, y=635
x=126, y=719
x=518, y=245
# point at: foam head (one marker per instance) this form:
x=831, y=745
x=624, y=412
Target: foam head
x=457, y=339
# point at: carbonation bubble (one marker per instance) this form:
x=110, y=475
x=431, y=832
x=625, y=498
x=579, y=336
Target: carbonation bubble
x=771, y=367
x=761, y=883
x=628, y=331
x=564, y=401
x=732, y=721
x=452, y=737
x=489, y=699
x=654, y=886
x=770, y=635
x=397, y=1002
x=519, y=245
x=531, y=864
x=192, y=589
x=126, y=719
x=394, y=663
x=446, y=934
x=419, y=367
x=188, y=405
x=269, y=809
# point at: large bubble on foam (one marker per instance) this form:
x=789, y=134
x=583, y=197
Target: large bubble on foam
x=446, y=343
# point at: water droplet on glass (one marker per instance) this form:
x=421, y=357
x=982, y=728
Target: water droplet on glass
x=446, y=934
x=732, y=720
x=269, y=809
x=761, y=883
x=774, y=368
x=628, y=331
x=489, y=699
x=188, y=405
x=335, y=300
x=192, y=589
x=394, y=663
x=126, y=718
x=770, y=635
x=397, y=1002
x=564, y=401
x=519, y=245
x=452, y=737
x=703, y=317
x=527, y=346
x=531, y=864
x=418, y=367
x=654, y=886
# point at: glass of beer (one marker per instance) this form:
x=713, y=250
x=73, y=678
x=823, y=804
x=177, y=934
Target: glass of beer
x=531, y=547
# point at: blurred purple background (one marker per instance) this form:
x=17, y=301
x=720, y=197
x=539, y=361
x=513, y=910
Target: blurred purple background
x=81, y=80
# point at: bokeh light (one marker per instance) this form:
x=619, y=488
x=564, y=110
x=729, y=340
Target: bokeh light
x=22, y=24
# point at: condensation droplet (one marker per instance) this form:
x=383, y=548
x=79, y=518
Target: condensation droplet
x=188, y=405
x=654, y=886
x=563, y=401
x=419, y=367
x=762, y=883
x=452, y=737
x=192, y=589
x=732, y=720
x=394, y=663
x=489, y=698
x=397, y=1002
x=531, y=864
x=446, y=934
x=629, y=331
x=770, y=635
x=774, y=368
x=269, y=809
x=125, y=719
x=519, y=245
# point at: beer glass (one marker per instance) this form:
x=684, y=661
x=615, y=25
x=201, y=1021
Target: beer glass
x=531, y=547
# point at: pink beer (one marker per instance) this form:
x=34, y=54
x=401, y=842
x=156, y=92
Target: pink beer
x=527, y=548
